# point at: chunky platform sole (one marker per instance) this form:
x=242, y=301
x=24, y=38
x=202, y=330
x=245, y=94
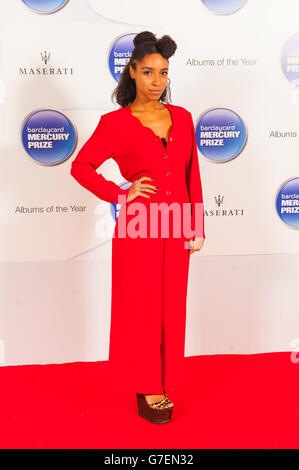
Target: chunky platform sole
x=154, y=415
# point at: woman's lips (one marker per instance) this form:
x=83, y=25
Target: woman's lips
x=156, y=92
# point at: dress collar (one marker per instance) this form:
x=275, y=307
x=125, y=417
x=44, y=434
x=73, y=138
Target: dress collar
x=170, y=109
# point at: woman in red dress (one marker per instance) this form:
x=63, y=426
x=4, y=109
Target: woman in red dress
x=155, y=148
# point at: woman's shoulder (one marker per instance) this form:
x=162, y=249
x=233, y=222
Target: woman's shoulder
x=179, y=109
x=112, y=116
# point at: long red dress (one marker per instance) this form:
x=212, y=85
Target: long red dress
x=149, y=274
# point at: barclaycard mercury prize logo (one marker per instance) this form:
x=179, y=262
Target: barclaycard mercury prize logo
x=287, y=202
x=221, y=134
x=45, y=58
x=119, y=54
x=45, y=6
x=224, y=7
x=115, y=207
x=290, y=59
x=48, y=136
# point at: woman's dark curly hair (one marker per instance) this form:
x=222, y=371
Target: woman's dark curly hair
x=145, y=43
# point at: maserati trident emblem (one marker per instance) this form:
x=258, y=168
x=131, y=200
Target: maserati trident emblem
x=219, y=200
x=45, y=57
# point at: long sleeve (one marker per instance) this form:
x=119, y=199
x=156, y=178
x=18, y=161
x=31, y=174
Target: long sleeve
x=98, y=148
x=193, y=181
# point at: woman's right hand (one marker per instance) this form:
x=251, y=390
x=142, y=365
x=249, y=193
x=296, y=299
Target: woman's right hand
x=135, y=188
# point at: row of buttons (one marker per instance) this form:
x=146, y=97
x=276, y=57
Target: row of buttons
x=168, y=173
x=164, y=155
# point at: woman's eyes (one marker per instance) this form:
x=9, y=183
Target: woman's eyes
x=148, y=71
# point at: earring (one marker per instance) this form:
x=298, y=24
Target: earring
x=168, y=92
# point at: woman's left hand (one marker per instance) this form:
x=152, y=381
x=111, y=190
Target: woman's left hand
x=197, y=244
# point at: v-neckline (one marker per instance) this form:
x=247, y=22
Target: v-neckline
x=151, y=130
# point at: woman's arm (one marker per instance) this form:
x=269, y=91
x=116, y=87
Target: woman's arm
x=98, y=148
x=193, y=181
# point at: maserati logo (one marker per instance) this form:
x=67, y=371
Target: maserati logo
x=45, y=58
x=218, y=200
x=226, y=211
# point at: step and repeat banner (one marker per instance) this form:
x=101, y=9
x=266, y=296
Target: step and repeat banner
x=236, y=69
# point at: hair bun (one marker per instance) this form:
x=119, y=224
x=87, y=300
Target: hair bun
x=143, y=37
x=167, y=46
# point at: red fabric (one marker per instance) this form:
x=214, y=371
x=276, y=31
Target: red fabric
x=150, y=272
x=229, y=401
x=98, y=148
x=194, y=186
x=138, y=152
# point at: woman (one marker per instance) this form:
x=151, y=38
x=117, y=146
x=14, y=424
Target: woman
x=155, y=148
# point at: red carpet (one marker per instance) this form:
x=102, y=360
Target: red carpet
x=230, y=401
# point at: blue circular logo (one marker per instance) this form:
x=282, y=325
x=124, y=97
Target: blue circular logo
x=290, y=59
x=45, y=6
x=48, y=136
x=220, y=134
x=115, y=207
x=287, y=202
x=224, y=7
x=120, y=53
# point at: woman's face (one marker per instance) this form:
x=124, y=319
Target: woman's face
x=150, y=76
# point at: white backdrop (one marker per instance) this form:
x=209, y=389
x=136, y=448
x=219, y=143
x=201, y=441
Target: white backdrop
x=55, y=262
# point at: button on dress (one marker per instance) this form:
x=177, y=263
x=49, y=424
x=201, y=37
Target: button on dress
x=149, y=272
